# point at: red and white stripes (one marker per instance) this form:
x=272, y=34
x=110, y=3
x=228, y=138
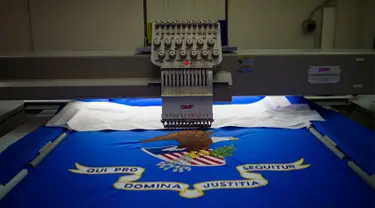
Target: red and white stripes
x=200, y=160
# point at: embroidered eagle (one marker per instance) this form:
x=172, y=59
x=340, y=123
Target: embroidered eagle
x=191, y=140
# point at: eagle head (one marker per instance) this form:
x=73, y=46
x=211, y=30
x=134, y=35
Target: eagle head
x=222, y=139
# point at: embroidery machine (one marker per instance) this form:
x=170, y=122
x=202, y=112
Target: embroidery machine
x=189, y=65
x=189, y=68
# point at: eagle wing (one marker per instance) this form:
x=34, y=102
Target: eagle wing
x=190, y=139
x=194, y=139
x=171, y=136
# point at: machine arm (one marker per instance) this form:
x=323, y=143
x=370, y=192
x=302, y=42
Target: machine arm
x=103, y=75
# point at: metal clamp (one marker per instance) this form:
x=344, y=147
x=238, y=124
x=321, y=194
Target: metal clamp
x=12, y=183
x=370, y=180
x=327, y=142
x=44, y=151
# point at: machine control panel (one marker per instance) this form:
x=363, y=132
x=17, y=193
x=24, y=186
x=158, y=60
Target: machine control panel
x=177, y=42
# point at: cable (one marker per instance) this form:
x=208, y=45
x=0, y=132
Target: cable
x=31, y=38
x=217, y=10
x=145, y=38
x=185, y=8
x=318, y=8
x=227, y=20
x=174, y=10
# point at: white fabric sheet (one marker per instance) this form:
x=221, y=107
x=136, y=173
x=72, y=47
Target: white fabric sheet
x=271, y=112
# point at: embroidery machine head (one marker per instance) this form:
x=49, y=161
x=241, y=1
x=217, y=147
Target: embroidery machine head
x=187, y=53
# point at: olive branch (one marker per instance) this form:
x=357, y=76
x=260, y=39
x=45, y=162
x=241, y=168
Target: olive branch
x=223, y=151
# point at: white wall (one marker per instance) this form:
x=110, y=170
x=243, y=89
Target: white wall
x=118, y=24
x=106, y=24
x=186, y=9
x=349, y=27
x=87, y=24
x=14, y=26
x=270, y=23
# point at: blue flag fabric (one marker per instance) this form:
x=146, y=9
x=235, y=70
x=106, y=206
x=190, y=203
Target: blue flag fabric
x=244, y=167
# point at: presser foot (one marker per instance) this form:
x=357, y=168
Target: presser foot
x=187, y=124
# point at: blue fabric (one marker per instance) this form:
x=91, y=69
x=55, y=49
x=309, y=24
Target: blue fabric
x=360, y=150
x=297, y=100
x=157, y=101
x=235, y=100
x=328, y=182
x=11, y=161
x=16, y=157
x=94, y=100
x=354, y=140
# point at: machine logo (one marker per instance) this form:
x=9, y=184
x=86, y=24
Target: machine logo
x=185, y=107
x=324, y=69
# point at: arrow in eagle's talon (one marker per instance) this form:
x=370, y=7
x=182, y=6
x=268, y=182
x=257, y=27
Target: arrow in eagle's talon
x=187, y=168
x=161, y=164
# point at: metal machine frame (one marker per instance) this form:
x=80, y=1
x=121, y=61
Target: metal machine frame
x=95, y=75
